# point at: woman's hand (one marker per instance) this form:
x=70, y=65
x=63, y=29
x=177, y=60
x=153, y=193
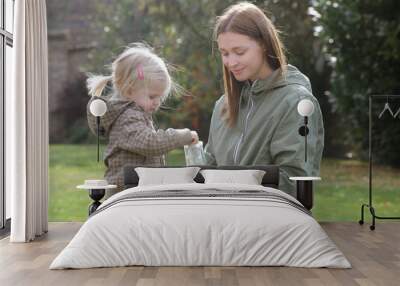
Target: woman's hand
x=195, y=137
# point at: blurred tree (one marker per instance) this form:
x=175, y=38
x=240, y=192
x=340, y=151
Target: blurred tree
x=181, y=31
x=74, y=112
x=363, y=40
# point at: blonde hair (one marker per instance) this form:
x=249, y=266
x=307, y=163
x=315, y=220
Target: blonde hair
x=247, y=19
x=135, y=68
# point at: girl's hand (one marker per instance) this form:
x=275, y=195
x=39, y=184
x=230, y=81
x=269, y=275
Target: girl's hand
x=195, y=137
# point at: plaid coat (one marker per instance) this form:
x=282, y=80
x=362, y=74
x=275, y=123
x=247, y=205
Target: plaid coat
x=132, y=139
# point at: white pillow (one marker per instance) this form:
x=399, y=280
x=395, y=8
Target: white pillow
x=165, y=176
x=248, y=177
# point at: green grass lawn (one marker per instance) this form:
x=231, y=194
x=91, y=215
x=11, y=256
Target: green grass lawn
x=338, y=197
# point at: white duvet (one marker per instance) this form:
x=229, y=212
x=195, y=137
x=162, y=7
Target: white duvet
x=200, y=231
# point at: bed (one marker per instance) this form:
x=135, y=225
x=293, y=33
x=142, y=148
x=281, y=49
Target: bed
x=201, y=224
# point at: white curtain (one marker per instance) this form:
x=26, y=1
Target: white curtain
x=27, y=124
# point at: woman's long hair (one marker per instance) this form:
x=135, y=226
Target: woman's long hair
x=247, y=19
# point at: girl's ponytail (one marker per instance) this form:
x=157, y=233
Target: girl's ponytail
x=96, y=84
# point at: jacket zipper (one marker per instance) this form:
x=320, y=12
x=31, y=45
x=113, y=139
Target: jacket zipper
x=236, y=151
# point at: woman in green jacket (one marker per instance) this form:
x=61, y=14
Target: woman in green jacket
x=256, y=121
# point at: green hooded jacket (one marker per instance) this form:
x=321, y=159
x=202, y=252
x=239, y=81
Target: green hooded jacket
x=267, y=129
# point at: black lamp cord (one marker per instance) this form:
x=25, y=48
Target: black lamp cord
x=303, y=131
x=305, y=137
x=98, y=137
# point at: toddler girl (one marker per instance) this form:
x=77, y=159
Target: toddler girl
x=140, y=83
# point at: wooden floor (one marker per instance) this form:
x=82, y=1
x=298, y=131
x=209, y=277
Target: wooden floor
x=374, y=255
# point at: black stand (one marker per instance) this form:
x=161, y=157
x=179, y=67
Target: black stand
x=304, y=190
x=305, y=193
x=96, y=195
x=369, y=205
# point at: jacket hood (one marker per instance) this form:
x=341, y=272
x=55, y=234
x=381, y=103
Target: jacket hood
x=275, y=80
x=115, y=107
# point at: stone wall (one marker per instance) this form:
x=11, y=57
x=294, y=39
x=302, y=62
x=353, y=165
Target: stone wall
x=70, y=37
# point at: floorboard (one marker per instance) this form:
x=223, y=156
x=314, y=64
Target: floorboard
x=374, y=255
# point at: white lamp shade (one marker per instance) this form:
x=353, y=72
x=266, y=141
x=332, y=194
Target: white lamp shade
x=305, y=107
x=98, y=107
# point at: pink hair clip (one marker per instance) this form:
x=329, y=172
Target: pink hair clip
x=139, y=72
